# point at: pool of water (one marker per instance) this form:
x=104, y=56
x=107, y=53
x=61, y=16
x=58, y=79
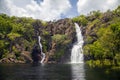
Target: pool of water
x=53, y=72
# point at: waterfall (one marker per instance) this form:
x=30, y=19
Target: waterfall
x=43, y=54
x=77, y=52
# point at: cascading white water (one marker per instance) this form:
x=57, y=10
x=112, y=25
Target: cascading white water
x=43, y=54
x=77, y=52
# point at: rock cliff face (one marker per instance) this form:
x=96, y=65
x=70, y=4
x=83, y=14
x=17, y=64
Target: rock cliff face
x=57, y=39
x=18, y=37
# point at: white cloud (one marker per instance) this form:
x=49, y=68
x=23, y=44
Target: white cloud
x=54, y=8
x=85, y=6
x=46, y=10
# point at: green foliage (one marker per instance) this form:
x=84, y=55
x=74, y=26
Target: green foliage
x=94, y=15
x=66, y=42
x=106, y=48
x=100, y=63
x=81, y=19
x=89, y=39
x=117, y=11
x=12, y=36
x=17, y=52
x=44, y=43
x=44, y=23
x=59, y=53
x=15, y=30
x=94, y=63
x=5, y=26
x=103, y=39
x=117, y=57
x=61, y=43
x=93, y=24
x=3, y=47
x=45, y=33
x=58, y=38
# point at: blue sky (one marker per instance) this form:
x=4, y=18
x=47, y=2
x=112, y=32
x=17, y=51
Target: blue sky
x=54, y=9
x=73, y=11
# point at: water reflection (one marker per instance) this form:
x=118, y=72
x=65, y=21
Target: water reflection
x=78, y=71
x=54, y=72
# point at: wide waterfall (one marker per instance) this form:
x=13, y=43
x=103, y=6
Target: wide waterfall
x=77, y=52
x=43, y=54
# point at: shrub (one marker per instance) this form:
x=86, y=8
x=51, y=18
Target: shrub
x=58, y=38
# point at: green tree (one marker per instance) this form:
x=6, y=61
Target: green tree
x=5, y=26
x=58, y=38
x=81, y=19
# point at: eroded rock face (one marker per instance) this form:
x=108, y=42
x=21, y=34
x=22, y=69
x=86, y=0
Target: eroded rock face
x=25, y=57
x=57, y=39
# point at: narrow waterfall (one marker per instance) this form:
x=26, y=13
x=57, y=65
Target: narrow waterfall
x=43, y=54
x=77, y=52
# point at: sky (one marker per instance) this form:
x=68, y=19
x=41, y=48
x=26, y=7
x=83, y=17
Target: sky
x=49, y=10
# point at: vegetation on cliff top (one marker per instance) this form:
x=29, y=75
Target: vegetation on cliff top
x=15, y=35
